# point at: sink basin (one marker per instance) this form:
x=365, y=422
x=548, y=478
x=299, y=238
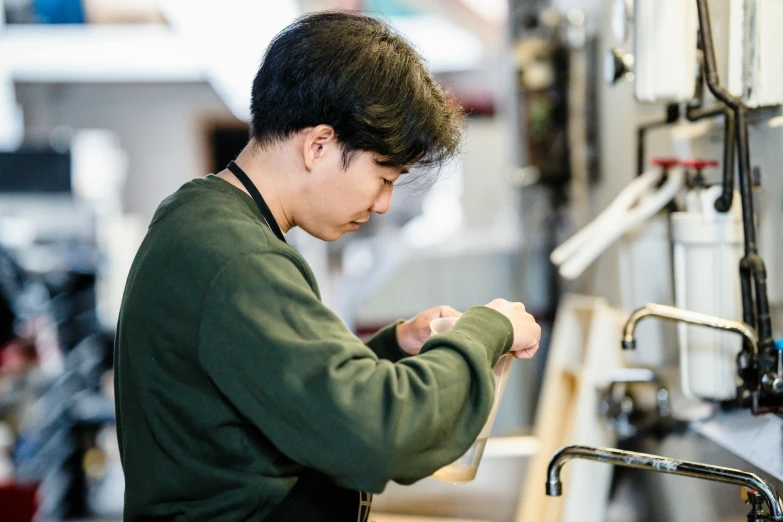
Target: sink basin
x=491, y=497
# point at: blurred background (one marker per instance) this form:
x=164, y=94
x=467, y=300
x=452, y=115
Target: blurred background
x=108, y=106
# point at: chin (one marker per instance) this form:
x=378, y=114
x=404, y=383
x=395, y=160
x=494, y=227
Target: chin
x=326, y=235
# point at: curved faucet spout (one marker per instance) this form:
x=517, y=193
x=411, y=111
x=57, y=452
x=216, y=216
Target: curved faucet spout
x=672, y=313
x=631, y=459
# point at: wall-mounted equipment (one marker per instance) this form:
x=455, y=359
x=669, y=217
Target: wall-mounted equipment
x=755, y=71
x=664, y=50
x=35, y=170
x=707, y=251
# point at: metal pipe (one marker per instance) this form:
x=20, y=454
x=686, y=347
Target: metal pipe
x=746, y=288
x=723, y=203
x=756, y=270
x=745, y=180
x=678, y=314
x=696, y=113
x=755, y=264
x=741, y=123
x=710, y=64
x=630, y=459
x=641, y=133
x=672, y=115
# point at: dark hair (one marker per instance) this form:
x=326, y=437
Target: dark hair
x=356, y=74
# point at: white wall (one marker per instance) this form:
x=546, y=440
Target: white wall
x=160, y=126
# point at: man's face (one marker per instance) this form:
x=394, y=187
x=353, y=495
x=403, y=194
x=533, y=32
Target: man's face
x=338, y=200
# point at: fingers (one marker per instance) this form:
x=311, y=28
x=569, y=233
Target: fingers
x=502, y=303
x=447, y=311
x=526, y=353
x=527, y=339
x=527, y=333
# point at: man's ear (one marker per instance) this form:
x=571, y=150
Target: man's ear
x=318, y=142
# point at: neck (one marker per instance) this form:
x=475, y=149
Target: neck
x=266, y=173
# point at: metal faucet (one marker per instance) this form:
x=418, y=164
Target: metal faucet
x=678, y=314
x=631, y=459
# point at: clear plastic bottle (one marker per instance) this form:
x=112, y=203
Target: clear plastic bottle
x=464, y=469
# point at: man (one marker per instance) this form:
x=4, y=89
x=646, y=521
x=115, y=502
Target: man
x=240, y=396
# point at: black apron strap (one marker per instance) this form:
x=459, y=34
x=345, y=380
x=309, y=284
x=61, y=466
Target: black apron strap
x=315, y=498
x=256, y=195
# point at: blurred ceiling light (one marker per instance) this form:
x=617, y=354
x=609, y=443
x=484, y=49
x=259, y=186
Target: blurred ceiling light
x=445, y=46
x=231, y=36
x=222, y=42
x=232, y=42
x=495, y=11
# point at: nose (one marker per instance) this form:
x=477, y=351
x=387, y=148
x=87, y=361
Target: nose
x=382, y=202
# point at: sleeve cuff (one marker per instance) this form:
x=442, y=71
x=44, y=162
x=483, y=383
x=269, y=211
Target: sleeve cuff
x=385, y=345
x=489, y=328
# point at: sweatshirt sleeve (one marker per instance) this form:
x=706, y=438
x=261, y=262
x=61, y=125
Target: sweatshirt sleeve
x=293, y=369
x=385, y=345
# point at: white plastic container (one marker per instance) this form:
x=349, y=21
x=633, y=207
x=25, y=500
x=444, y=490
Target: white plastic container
x=464, y=468
x=664, y=50
x=707, y=251
x=645, y=259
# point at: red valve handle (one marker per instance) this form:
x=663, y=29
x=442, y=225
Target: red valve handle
x=699, y=163
x=665, y=163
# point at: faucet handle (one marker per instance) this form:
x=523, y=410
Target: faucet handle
x=699, y=164
x=665, y=163
x=619, y=404
x=749, y=495
x=756, y=501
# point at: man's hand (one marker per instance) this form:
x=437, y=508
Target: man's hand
x=527, y=333
x=412, y=333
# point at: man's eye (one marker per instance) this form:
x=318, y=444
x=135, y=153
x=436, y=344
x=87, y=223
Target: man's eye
x=387, y=182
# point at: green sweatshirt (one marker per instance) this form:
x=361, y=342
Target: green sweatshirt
x=232, y=377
